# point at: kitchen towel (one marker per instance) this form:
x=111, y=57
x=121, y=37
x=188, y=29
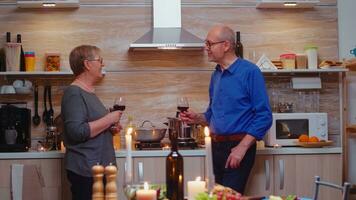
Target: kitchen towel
x=27, y=182
x=16, y=181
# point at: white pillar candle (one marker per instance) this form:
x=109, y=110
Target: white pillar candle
x=128, y=137
x=209, y=174
x=195, y=187
x=146, y=194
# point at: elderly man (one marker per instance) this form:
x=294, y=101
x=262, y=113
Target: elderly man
x=238, y=113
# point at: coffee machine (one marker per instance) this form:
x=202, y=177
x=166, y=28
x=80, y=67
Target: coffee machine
x=15, y=128
x=183, y=132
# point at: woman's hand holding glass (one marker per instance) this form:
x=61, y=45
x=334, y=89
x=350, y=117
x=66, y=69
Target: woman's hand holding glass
x=115, y=116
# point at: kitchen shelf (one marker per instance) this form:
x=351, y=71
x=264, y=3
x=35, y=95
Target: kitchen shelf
x=334, y=69
x=36, y=73
x=351, y=127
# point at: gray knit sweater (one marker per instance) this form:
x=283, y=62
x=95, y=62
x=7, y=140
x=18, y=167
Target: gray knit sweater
x=82, y=152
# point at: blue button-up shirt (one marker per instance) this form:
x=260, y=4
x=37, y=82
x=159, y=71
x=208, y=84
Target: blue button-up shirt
x=238, y=101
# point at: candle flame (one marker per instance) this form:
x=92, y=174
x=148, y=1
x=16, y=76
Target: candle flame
x=145, y=186
x=129, y=131
x=198, y=178
x=206, y=131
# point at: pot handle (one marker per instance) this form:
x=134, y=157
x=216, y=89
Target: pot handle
x=145, y=122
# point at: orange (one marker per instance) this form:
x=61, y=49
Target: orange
x=314, y=139
x=303, y=138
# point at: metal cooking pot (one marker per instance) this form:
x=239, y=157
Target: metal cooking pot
x=149, y=134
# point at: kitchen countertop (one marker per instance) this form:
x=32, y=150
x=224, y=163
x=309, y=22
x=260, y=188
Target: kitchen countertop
x=161, y=153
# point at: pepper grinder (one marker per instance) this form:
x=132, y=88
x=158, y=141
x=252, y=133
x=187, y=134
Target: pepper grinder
x=98, y=185
x=110, y=187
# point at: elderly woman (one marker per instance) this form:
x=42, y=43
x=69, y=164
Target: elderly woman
x=87, y=122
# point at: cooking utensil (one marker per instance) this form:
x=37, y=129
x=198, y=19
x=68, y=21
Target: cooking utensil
x=149, y=134
x=50, y=111
x=45, y=114
x=36, y=119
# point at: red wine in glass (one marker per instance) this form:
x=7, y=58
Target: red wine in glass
x=183, y=108
x=119, y=107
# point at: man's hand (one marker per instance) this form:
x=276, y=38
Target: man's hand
x=188, y=117
x=235, y=157
x=238, y=152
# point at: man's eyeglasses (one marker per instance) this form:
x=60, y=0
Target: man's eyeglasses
x=209, y=44
x=101, y=60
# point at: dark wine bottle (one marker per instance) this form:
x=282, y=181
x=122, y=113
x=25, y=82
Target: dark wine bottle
x=22, y=56
x=174, y=172
x=3, y=54
x=8, y=37
x=239, y=50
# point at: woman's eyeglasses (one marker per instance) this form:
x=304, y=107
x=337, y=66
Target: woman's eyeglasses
x=101, y=60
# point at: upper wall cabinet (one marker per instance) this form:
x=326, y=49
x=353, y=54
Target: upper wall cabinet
x=286, y=3
x=48, y=4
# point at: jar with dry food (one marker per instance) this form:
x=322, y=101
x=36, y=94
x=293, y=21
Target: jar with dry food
x=288, y=60
x=53, y=62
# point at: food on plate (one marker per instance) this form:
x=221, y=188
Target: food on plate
x=314, y=139
x=329, y=63
x=289, y=197
x=271, y=197
x=303, y=138
x=219, y=192
x=225, y=193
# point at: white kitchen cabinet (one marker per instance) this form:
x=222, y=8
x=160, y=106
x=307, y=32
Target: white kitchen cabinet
x=260, y=181
x=294, y=174
x=49, y=169
x=120, y=178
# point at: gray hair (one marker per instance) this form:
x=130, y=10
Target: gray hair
x=226, y=33
x=79, y=54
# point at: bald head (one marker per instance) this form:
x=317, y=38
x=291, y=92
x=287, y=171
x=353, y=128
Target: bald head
x=224, y=33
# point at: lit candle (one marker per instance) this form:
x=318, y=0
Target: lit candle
x=195, y=187
x=63, y=148
x=146, y=194
x=209, y=174
x=128, y=137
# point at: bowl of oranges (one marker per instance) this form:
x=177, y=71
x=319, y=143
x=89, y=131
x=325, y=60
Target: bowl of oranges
x=312, y=142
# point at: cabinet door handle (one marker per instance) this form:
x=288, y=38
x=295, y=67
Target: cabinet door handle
x=268, y=174
x=140, y=172
x=281, y=174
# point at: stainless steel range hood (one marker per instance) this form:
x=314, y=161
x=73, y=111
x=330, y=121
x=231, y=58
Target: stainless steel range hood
x=167, y=32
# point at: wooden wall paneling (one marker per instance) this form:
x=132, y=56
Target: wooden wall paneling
x=153, y=95
x=114, y=28
x=328, y=95
x=272, y=31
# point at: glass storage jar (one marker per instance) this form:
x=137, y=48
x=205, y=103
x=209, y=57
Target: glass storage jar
x=288, y=60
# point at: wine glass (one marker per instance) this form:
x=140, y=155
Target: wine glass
x=182, y=104
x=119, y=104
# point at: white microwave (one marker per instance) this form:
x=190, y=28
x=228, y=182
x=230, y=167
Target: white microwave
x=287, y=127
